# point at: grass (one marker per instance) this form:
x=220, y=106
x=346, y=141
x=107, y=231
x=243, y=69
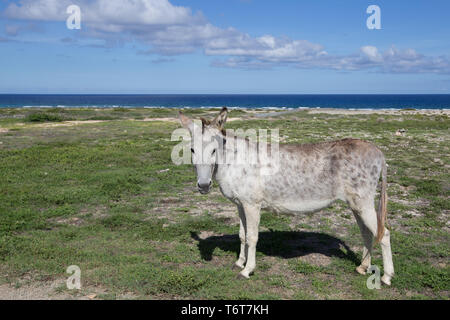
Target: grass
x=98, y=195
x=43, y=117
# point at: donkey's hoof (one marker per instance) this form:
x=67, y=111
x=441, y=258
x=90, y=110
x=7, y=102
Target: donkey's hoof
x=361, y=270
x=236, y=267
x=240, y=276
x=386, y=280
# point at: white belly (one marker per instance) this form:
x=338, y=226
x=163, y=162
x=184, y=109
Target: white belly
x=299, y=206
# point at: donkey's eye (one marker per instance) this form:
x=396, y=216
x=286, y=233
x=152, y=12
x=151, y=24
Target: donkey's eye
x=192, y=150
x=214, y=151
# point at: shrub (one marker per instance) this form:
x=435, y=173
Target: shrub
x=43, y=117
x=120, y=109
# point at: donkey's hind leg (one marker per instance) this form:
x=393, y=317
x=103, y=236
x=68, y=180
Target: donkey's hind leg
x=240, y=263
x=369, y=218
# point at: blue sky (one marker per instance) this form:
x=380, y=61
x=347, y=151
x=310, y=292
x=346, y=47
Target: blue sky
x=216, y=46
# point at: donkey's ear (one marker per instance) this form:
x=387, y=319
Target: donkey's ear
x=185, y=121
x=220, y=120
x=205, y=122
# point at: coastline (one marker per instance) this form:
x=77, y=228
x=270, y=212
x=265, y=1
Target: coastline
x=265, y=112
x=381, y=111
x=232, y=101
x=257, y=110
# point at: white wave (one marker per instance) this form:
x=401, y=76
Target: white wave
x=214, y=107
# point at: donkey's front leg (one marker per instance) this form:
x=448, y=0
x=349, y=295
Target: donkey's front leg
x=242, y=236
x=252, y=216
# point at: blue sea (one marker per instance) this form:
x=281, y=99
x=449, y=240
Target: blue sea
x=341, y=101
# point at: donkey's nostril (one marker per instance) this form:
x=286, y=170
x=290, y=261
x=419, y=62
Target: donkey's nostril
x=204, y=185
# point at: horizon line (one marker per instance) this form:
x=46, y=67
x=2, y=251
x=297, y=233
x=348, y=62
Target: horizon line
x=217, y=94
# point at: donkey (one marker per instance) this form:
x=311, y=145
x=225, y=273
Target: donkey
x=309, y=177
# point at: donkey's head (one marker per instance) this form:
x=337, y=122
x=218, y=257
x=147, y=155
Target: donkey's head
x=206, y=146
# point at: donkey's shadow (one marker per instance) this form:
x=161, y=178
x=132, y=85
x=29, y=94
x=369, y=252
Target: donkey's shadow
x=284, y=244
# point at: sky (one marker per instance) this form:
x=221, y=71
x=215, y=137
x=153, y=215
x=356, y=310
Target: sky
x=232, y=46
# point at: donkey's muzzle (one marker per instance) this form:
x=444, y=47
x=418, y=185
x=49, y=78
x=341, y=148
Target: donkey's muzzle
x=204, y=187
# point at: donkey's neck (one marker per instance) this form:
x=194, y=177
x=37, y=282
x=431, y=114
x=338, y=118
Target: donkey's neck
x=230, y=162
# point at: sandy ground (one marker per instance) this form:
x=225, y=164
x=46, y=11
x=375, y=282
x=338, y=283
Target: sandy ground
x=431, y=112
x=52, y=290
x=388, y=112
x=35, y=291
x=160, y=119
x=261, y=113
x=178, y=121
x=78, y=122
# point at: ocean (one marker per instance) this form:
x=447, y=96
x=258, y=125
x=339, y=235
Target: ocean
x=287, y=101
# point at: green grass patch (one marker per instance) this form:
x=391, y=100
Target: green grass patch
x=43, y=117
x=99, y=196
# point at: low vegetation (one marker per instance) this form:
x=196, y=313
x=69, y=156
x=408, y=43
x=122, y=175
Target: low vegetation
x=104, y=195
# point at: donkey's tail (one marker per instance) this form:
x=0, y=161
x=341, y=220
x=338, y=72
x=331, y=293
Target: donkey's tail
x=382, y=206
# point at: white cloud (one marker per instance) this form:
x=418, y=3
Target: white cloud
x=371, y=53
x=167, y=29
x=265, y=49
x=42, y=10
x=393, y=61
x=109, y=12
x=14, y=30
